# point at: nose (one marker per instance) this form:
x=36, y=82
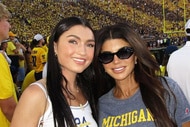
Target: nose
x=81, y=50
x=115, y=59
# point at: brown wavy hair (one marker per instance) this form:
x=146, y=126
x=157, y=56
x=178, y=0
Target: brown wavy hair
x=152, y=90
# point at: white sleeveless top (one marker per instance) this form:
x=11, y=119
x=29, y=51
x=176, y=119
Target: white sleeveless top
x=82, y=114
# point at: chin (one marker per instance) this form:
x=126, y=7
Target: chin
x=79, y=70
x=120, y=78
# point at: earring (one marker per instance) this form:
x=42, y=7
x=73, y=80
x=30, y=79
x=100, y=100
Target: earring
x=135, y=61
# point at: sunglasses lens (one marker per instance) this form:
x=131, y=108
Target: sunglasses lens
x=125, y=52
x=106, y=57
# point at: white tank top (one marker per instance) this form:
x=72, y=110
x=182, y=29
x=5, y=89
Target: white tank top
x=82, y=114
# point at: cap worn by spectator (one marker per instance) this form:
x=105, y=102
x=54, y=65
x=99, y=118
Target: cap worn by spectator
x=187, y=28
x=4, y=41
x=38, y=37
x=11, y=34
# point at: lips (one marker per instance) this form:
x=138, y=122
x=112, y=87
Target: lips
x=118, y=70
x=79, y=60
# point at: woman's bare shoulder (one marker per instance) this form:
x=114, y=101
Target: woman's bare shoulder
x=33, y=94
x=31, y=104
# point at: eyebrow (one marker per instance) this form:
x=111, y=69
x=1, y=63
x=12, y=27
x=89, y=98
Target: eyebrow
x=90, y=40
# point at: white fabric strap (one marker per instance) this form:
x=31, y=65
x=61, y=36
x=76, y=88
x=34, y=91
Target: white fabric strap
x=42, y=87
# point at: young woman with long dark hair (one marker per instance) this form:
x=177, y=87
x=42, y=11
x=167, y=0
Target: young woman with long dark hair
x=68, y=99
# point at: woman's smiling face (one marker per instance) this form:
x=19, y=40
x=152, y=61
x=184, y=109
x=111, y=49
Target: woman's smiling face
x=119, y=69
x=75, y=49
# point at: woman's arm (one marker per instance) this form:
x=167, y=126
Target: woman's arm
x=30, y=108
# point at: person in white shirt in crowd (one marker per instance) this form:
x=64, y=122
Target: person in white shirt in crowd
x=178, y=66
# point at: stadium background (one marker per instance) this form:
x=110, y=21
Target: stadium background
x=151, y=18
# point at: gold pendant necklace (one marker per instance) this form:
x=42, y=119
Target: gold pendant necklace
x=81, y=107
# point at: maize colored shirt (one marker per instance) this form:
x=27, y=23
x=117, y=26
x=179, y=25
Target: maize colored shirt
x=7, y=88
x=29, y=79
x=39, y=58
x=10, y=48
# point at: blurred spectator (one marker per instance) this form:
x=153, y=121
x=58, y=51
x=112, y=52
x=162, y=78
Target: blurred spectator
x=29, y=78
x=21, y=70
x=12, y=52
x=178, y=66
x=16, y=50
x=38, y=55
x=38, y=58
x=27, y=55
x=3, y=47
x=8, y=97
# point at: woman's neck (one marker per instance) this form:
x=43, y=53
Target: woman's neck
x=125, y=89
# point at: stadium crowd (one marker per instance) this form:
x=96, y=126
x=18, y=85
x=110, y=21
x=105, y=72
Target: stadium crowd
x=32, y=16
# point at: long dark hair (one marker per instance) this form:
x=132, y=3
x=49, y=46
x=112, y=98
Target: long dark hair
x=152, y=90
x=61, y=110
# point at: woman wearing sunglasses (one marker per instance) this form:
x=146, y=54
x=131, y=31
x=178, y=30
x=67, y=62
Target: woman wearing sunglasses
x=131, y=92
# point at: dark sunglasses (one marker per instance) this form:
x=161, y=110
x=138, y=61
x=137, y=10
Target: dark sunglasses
x=122, y=53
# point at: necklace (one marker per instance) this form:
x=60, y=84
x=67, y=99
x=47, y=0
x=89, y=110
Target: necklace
x=76, y=103
x=74, y=91
x=77, y=89
x=75, y=98
x=81, y=106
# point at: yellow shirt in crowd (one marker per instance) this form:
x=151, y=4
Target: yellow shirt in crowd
x=7, y=87
x=38, y=58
